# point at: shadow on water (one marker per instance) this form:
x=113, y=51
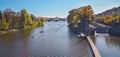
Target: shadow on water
x=80, y=41
x=15, y=35
x=14, y=43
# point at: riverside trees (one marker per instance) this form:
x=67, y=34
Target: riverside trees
x=79, y=20
x=78, y=16
x=110, y=20
x=18, y=20
x=109, y=17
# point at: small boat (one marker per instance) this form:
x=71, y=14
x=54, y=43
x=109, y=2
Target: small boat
x=32, y=36
x=41, y=31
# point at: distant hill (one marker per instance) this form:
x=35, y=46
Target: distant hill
x=115, y=10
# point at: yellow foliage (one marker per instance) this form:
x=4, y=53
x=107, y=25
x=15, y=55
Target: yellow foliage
x=108, y=19
x=78, y=21
x=30, y=21
x=3, y=21
x=79, y=15
x=6, y=26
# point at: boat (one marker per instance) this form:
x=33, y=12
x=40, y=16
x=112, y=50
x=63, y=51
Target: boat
x=41, y=31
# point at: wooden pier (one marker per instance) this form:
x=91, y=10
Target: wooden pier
x=93, y=47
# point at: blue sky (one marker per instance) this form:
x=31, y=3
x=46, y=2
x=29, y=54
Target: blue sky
x=60, y=8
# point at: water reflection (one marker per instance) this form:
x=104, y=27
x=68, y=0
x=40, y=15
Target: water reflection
x=112, y=40
x=109, y=46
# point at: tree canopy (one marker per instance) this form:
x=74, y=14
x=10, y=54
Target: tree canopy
x=18, y=20
x=77, y=16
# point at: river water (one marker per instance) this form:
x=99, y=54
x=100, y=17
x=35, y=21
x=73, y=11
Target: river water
x=108, y=46
x=56, y=40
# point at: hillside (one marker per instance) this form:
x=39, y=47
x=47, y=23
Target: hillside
x=115, y=10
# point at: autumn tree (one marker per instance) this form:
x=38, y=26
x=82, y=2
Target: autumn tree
x=29, y=20
x=9, y=15
x=4, y=24
x=41, y=22
x=33, y=17
x=108, y=19
x=24, y=18
x=18, y=20
x=77, y=16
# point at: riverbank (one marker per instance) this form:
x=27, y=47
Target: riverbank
x=13, y=30
x=114, y=31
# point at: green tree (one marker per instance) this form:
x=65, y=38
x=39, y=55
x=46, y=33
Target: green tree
x=24, y=18
x=30, y=21
x=20, y=20
x=33, y=17
x=4, y=24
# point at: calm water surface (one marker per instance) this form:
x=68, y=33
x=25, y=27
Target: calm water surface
x=108, y=46
x=56, y=40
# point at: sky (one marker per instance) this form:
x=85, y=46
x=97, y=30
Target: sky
x=60, y=8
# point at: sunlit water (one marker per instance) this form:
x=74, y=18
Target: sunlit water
x=56, y=40
x=108, y=46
